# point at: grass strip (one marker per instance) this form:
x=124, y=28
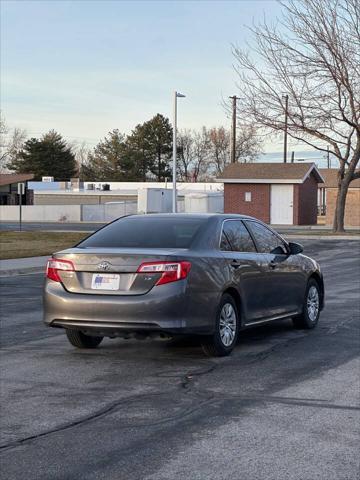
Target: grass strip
x=36, y=243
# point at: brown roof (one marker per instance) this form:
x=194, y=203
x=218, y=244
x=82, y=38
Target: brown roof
x=9, y=178
x=330, y=177
x=285, y=172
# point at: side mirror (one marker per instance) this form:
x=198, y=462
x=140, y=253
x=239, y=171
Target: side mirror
x=295, y=248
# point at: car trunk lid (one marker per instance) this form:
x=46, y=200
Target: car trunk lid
x=109, y=271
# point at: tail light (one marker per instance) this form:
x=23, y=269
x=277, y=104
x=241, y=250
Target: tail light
x=55, y=265
x=170, y=271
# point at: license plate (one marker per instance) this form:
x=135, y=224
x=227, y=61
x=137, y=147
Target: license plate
x=105, y=281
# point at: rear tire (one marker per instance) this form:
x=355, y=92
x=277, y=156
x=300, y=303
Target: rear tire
x=311, y=308
x=80, y=340
x=227, y=325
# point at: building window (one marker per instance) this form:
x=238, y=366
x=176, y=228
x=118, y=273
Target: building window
x=247, y=196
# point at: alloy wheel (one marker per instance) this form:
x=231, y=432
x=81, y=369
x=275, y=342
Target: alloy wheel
x=313, y=303
x=227, y=324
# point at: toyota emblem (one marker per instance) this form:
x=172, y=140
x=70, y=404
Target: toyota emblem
x=104, y=266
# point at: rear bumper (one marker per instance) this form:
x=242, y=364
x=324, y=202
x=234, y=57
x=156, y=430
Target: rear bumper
x=166, y=308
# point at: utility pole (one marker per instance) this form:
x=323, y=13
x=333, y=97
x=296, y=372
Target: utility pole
x=286, y=97
x=233, y=129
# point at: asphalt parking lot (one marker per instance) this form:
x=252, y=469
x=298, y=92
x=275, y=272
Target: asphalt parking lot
x=285, y=405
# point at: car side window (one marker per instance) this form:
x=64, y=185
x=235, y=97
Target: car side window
x=266, y=240
x=225, y=244
x=236, y=237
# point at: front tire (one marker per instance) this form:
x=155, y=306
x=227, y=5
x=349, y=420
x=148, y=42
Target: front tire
x=227, y=325
x=80, y=340
x=311, y=309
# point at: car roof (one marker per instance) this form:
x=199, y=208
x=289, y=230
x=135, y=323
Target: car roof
x=194, y=215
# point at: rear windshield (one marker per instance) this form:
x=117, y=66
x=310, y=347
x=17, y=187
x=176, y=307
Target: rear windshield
x=146, y=232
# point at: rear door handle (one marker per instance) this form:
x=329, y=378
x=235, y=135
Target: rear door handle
x=235, y=264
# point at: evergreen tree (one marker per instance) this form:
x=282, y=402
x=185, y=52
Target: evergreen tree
x=138, y=150
x=111, y=160
x=158, y=134
x=152, y=142
x=48, y=156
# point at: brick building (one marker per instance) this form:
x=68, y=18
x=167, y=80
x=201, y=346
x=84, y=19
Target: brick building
x=327, y=198
x=276, y=193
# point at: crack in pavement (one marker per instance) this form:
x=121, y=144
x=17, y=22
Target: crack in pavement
x=185, y=383
x=210, y=397
x=105, y=411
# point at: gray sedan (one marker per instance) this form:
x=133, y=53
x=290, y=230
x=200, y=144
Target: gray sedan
x=169, y=274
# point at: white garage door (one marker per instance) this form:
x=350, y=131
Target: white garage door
x=281, y=210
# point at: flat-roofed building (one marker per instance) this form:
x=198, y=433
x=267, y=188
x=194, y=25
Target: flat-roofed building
x=9, y=193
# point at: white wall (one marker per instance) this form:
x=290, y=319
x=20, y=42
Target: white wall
x=107, y=212
x=67, y=213
x=41, y=213
x=204, y=202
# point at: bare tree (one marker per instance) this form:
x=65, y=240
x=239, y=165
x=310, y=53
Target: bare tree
x=3, y=143
x=219, y=148
x=313, y=56
x=193, y=155
x=11, y=144
x=248, y=144
x=200, y=165
x=202, y=155
x=81, y=152
x=185, y=154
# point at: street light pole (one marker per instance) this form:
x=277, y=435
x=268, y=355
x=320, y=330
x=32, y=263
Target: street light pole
x=286, y=97
x=174, y=195
x=233, y=129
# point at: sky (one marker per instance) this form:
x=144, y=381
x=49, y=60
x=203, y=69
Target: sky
x=85, y=67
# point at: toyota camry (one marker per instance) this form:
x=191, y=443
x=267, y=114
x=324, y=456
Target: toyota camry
x=210, y=275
